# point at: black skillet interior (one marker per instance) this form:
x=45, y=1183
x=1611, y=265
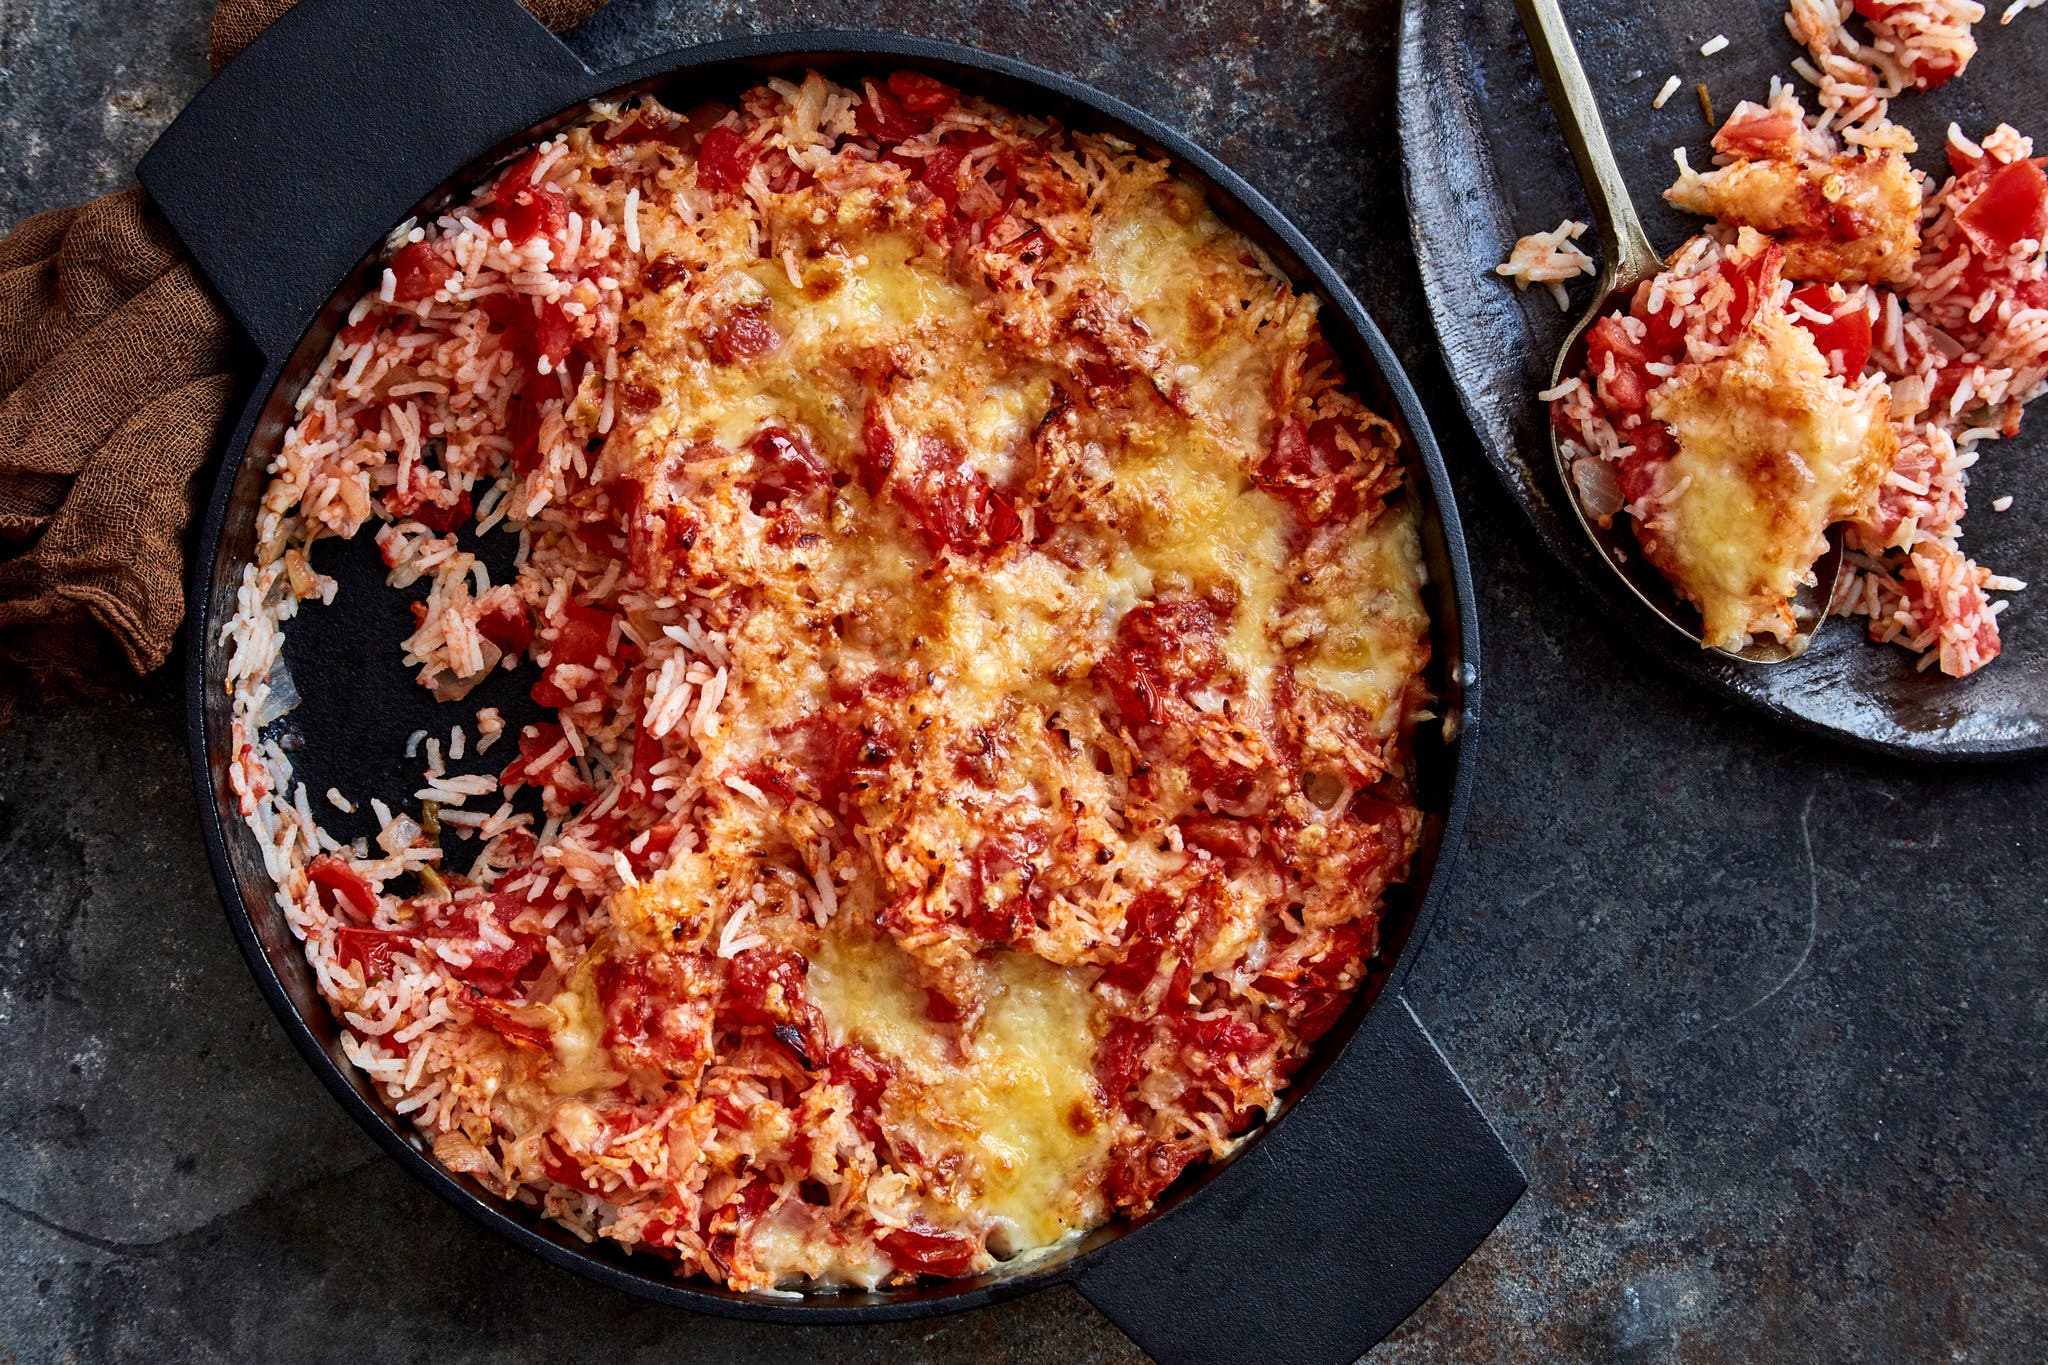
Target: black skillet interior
x=1486, y=164
x=1382, y=1164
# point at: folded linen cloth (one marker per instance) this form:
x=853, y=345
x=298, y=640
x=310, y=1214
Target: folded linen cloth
x=117, y=366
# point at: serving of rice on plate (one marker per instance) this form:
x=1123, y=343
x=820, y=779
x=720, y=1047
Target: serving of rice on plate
x=980, y=642
x=1887, y=324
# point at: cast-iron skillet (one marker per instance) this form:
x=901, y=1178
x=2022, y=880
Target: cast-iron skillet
x=282, y=178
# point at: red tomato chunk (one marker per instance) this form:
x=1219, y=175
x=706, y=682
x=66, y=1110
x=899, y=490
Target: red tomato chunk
x=724, y=160
x=2012, y=208
x=419, y=272
x=929, y=1251
x=1845, y=341
x=351, y=893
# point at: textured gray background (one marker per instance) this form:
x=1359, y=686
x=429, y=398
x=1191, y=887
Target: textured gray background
x=1760, y=1018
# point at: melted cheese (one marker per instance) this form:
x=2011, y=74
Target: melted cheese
x=1803, y=204
x=1375, y=632
x=1184, y=273
x=582, y=1063
x=1153, y=500
x=1771, y=452
x=1196, y=523
x=1019, y=1099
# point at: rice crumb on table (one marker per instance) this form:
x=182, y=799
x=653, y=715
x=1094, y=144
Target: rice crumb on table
x=1549, y=258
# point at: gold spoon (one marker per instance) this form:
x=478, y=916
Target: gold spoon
x=1629, y=261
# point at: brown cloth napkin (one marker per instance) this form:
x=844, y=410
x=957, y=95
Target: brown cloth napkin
x=115, y=376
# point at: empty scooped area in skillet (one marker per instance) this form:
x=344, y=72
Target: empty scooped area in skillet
x=359, y=705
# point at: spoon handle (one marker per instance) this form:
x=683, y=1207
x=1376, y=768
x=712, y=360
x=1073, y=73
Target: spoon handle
x=1627, y=248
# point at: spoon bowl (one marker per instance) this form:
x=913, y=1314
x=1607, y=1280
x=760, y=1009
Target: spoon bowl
x=1628, y=262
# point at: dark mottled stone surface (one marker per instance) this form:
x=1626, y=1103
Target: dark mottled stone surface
x=1762, y=1019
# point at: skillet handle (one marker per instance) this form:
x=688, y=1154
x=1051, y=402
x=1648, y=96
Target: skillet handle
x=1324, y=1236
x=333, y=124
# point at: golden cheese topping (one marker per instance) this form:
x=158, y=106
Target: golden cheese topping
x=1845, y=218
x=1772, y=450
x=1017, y=1098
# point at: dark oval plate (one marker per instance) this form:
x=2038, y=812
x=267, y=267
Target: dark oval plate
x=1486, y=164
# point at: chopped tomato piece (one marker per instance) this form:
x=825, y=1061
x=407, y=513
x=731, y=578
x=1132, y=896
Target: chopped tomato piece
x=925, y=1250
x=1162, y=647
x=547, y=693
x=824, y=757
x=941, y=174
x=867, y=1077
x=554, y=332
x=369, y=950
x=724, y=159
x=522, y=425
x=1654, y=447
x=1149, y=930
x=922, y=95
x=941, y=1008
x=1154, y=925
x=531, y=330
x=1763, y=135
x=882, y=117
x=504, y=1020
x=1617, y=362
x=655, y=1014
x=507, y=626
x=1005, y=893
x=444, y=517
x=1222, y=1034
x=1142, y=1174
x=861, y=1072
x=580, y=641
x=1320, y=991
x=1307, y=467
x=742, y=334
x=954, y=505
x=419, y=271
x=535, y=743
x=1663, y=334
x=565, y=1170
x=351, y=893
x=1119, y=1058
x=1845, y=342
x=765, y=986
x=1928, y=72
x=876, y=460
x=2011, y=208
x=493, y=968
x=525, y=209
x=649, y=849
x=785, y=467
x=1234, y=841
x=583, y=638
x=1754, y=281
x=647, y=751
